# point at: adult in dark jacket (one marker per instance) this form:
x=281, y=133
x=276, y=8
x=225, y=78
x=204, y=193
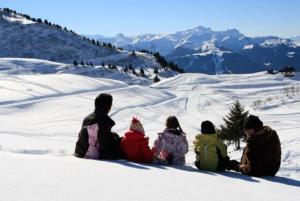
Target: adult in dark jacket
x=106, y=144
x=262, y=154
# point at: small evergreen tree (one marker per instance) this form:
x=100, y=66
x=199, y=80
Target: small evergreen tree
x=81, y=63
x=115, y=67
x=155, y=71
x=130, y=66
x=156, y=79
x=126, y=69
x=133, y=53
x=142, y=72
x=233, y=130
x=103, y=64
x=75, y=63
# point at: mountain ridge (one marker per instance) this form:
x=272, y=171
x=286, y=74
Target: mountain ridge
x=207, y=51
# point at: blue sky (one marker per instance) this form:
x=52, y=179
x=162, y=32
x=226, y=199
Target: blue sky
x=109, y=17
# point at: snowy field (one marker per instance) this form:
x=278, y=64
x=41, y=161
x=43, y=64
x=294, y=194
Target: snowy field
x=41, y=115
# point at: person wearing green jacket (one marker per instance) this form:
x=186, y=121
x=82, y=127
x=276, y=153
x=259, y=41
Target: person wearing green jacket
x=211, y=152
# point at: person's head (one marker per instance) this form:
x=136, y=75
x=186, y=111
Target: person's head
x=103, y=103
x=136, y=125
x=207, y=127
x=173, y=123
x=252, y=124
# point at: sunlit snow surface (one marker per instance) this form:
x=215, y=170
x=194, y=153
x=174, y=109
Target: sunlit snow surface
x=41, y=115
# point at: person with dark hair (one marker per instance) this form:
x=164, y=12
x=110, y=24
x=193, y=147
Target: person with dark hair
x=171, y=145
x=262, y=154
x=211, y=152
x=95, y=139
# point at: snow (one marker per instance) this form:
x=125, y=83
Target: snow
x=18, y=19
x=24, y=38
x=248, y=47
x=291, y=54
x=15, y=66
x=41, y=114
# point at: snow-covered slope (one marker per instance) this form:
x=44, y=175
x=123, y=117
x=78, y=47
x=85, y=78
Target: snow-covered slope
x=17, y=66
x=41, y=115
x=204, y=50
x=23, y=38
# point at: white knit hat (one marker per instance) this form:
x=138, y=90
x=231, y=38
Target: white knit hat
x=136, y=125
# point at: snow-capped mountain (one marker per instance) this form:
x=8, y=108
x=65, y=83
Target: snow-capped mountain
x=297, y=38
x=204, y=50
x=24, y=37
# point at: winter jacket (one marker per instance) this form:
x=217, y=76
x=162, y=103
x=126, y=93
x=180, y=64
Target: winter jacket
x=173, y=143
x=93, y=150
x=135, y=147
x=211, y=152
x=262, y=154
x=107, y=143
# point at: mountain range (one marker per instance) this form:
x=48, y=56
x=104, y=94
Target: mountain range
x=195, y=50
x=205, y=50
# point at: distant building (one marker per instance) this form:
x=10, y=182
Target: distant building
x=288, y=71
x=272, y=72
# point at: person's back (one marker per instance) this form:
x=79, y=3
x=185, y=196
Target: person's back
x=262, y=154
x=211, y=152
x=171, y=144
x=135, y=145
x=95, y=139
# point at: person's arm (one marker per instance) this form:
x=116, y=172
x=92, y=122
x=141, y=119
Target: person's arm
x=157, y=145
x=82, y=143
x=185, y=146
x=249, y=165
x=146, y=151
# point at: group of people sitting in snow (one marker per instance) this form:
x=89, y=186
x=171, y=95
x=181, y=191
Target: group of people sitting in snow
x=261, y=155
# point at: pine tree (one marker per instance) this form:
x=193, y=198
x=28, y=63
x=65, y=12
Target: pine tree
x=82, y=63
x=142, y=72
x=130, y=66
x=156, y=79
x=133, y=53
x=155, y=71
x=233, y=130
x=126, y=69
x=75, y=63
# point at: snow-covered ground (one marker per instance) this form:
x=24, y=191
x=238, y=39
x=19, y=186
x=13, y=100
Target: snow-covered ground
x=25, y=66
x=41, y=114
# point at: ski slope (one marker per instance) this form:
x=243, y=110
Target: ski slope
x=41, y=115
